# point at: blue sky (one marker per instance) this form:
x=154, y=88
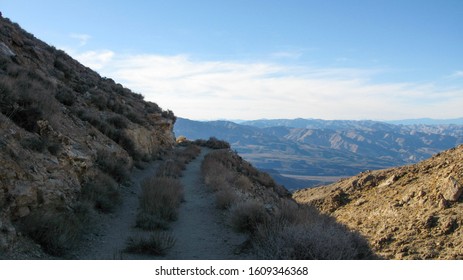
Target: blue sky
x=267, y=59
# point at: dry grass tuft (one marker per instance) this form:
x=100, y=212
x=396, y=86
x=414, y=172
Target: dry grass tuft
x=245, y=216
x=225, y=198
x=157, y=244
x=159, y=202
x=103, y=192
x=57, y=231
x=302, y=233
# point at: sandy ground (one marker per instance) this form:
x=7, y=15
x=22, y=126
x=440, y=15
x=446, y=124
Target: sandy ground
x=200, y=230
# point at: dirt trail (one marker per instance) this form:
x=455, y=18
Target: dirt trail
x=199, y=231
x=109, y=238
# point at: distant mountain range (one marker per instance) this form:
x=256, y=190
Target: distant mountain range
x=306, y=152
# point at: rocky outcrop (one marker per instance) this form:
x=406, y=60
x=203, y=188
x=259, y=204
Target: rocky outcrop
x=409, y=212
x=57, y=119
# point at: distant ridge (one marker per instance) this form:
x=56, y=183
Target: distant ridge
x=317, y=151
x=428, y=121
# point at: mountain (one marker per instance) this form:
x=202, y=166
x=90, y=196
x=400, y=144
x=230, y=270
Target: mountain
x=428, y=121
x=409, y=212
x=310, y=152
x=65, y=132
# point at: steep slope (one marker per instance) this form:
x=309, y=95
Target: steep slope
x=410, y=212
x=63, y=128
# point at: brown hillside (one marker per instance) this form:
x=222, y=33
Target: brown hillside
x=63, y=128
x=409, y=212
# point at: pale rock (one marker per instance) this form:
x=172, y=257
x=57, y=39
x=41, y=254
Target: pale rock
x=5, y=50
x=452, y=189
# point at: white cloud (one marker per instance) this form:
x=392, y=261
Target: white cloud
x=236, y=90
x=82, y=38
x=457, y=74
x=93, y=59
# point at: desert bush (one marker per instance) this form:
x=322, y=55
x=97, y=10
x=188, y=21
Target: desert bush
x=25, y=100
x=189, y=153
x=225, y=198
x=66, y=97
x=170, y=168
x=156, y=244
x=118, y=122
x=38, y=144
x=57, y=231
x=159, y=202
x=103, y=192
x=33, y=143
x=301, y=233
x=243, y=183
x=247, y=215
x=213, y=143
x=114, y=166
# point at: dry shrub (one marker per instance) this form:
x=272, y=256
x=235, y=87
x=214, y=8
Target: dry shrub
x=118, y=168
x=103, y=192
x=225, y=198
x=216, y=182
x=159, y=202
x=247, y=215
x=243, y=183
x=171, y=168
x=300, y=232
x=215, y=175
x=57, y=231
x=190, y=152
x=156, y=244
x=213, y=143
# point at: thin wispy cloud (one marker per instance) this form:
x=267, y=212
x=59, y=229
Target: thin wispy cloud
x=82, y=38
x=457, y=74
x=245, y=90
x=94, y=59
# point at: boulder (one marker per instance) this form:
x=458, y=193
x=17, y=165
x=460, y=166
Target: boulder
x=452, y=189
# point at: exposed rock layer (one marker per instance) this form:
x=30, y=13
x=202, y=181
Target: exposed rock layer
x=57, y=117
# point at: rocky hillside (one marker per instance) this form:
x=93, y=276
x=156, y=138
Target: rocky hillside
x=62, y=126
x=409, y=212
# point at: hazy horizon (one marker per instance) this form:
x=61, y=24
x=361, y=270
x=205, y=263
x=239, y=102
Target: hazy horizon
x=253, y=59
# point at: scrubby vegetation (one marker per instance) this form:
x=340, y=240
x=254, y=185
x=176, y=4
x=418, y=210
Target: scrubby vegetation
x=57, y=230
x=159, y=202
x=213, y=143
x=278, y=227
x=102, y=192
x=158, y=243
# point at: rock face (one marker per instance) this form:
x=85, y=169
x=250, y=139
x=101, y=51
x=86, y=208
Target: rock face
x=57, y=118
x=409, y=212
